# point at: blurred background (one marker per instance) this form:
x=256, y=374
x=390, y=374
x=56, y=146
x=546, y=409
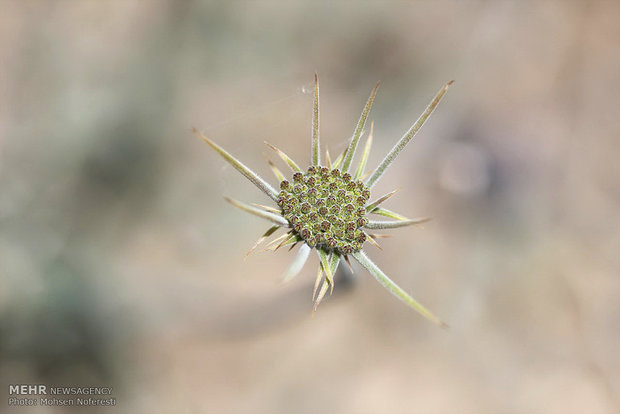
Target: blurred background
x=121, y=265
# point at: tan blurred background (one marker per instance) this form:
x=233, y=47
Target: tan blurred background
x=121, y=264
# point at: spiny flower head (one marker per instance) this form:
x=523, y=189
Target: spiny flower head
x=327, y=207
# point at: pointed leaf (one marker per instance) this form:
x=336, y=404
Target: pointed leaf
x=262, y=238
x=276, y=170
x=292, y=240
x=316, y=147
x=321, y=294
x=338, y=161
x=387, y=213
x=285, y=157
x=325, y=263
x=379, y=236
x=274, y=242
x=269, y=209
x=407, y=137
x=276, y=218
x=358, y=131
x=319, y=276
x=284, y=240
x=372, y=224
x=294, y=244
x=364, y=159
x=372, y=241
x=298, y=263
x=334, y=259
x=346, y=259
x=239, y=166
x=394, y=288
x=374, y=204
x=328, y=158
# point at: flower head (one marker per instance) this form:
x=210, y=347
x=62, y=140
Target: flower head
x=328, y=207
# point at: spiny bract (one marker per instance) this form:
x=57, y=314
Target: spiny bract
x=327, y=207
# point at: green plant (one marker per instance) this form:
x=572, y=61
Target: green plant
x=327, y=207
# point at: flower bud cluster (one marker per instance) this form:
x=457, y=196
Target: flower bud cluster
x=326, y=208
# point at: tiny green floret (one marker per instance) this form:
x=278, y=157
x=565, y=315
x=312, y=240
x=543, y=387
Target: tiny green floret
x=327, y=208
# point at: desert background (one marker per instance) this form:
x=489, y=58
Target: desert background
x=121, y=264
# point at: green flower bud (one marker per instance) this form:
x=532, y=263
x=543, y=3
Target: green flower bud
x=326, y=207
x=325, y=225
x=311, y=241
x=361, y=238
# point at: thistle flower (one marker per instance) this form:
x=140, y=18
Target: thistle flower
x=328, y=207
